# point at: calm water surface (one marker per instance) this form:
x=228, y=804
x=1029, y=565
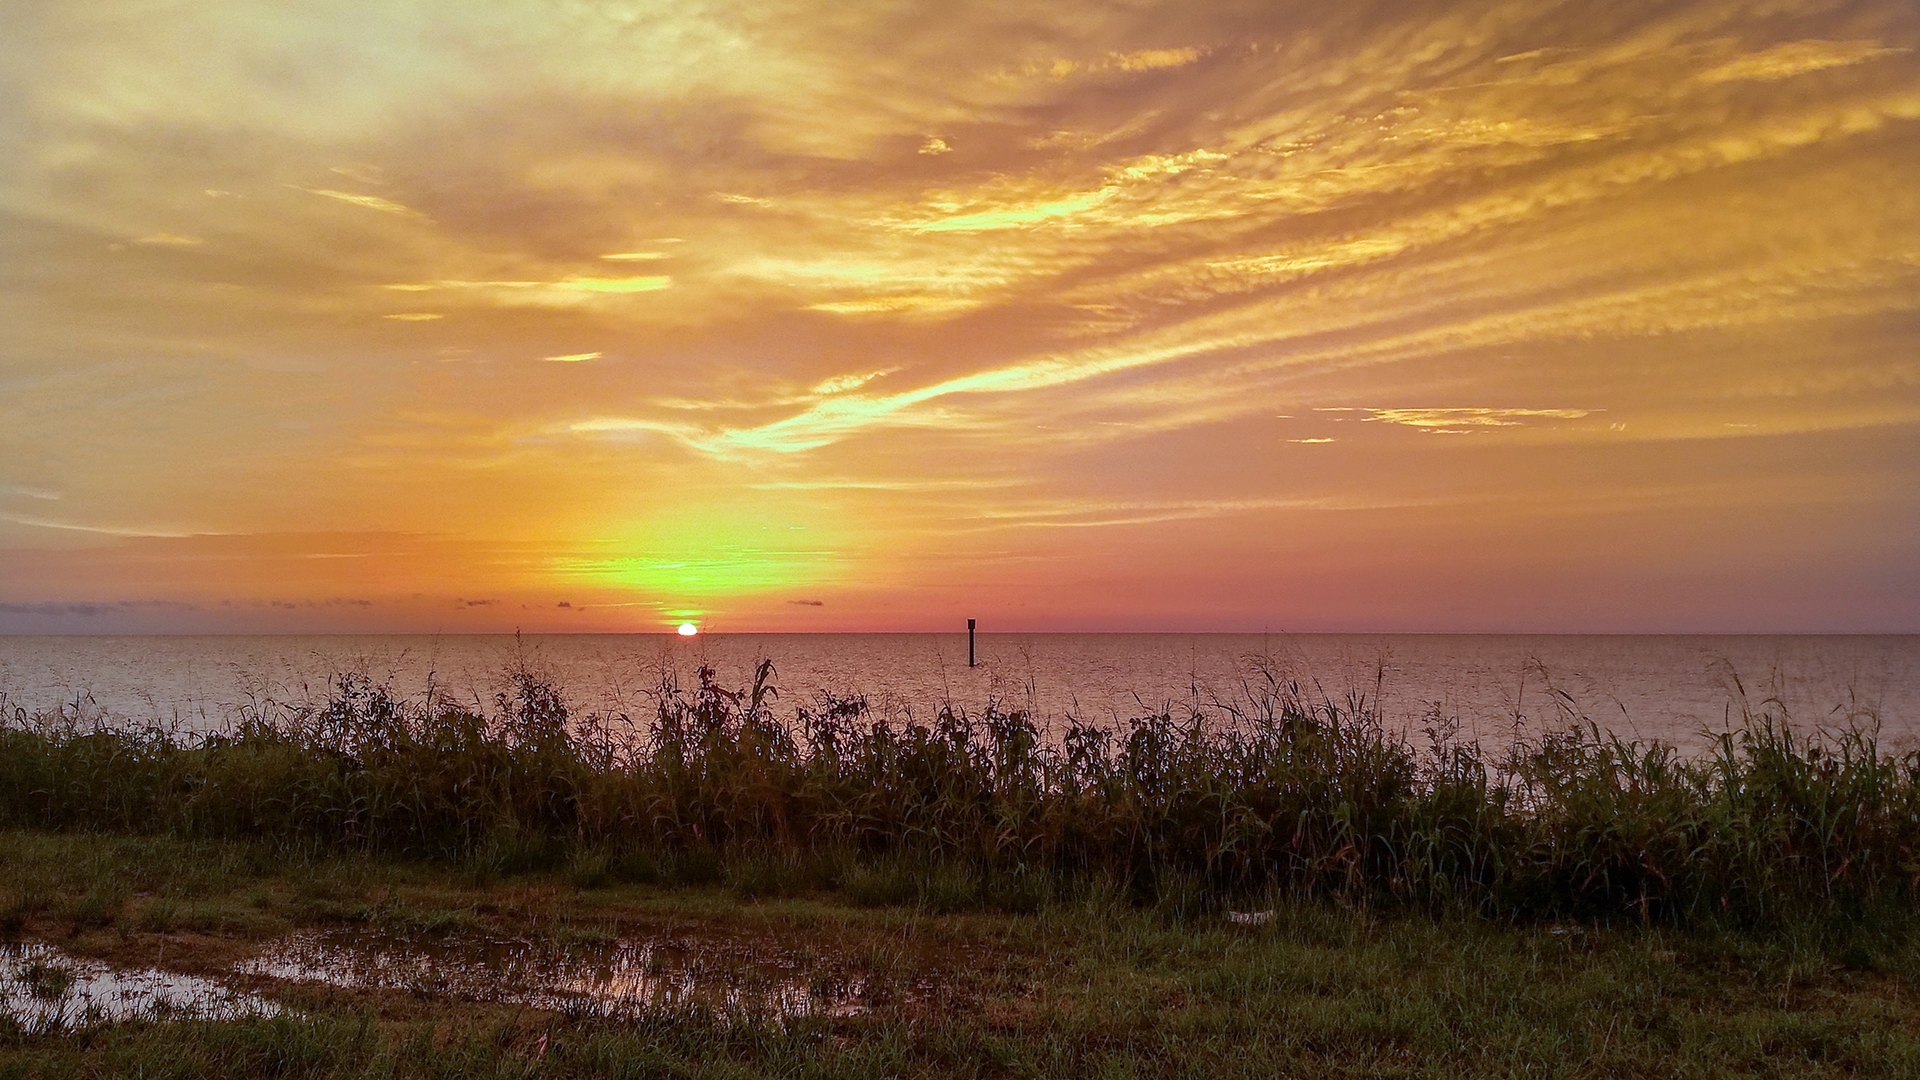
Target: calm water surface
x=1670, y=687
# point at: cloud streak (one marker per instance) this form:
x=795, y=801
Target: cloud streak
x=370, y=202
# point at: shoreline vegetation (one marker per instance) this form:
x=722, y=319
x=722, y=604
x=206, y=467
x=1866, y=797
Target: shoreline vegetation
x=1286, y=794
x=1012, y=900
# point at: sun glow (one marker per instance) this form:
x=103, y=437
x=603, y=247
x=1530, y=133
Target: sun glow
x=687, y=629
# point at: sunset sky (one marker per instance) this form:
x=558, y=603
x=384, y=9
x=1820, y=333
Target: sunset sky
x=602, y=315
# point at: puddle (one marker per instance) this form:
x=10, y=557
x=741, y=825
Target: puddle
x=613, y=980
x=44, y=989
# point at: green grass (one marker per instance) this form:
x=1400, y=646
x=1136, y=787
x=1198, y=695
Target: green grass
x=1093, y=986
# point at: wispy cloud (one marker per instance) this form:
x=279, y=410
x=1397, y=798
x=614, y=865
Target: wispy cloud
x=370, y=202
x=898, y=305
x=94, y=609
x=840, y=384
x=361, y=174
x=649, y=283
x=1794, y=58
x=906, y=485
x=1101, y=514
x=1135, y=61
x=44, y=494
x=569, y=291
x=130, y=531
x=1459, y=421
x=163, y=239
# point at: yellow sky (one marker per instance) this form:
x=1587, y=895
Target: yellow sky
x=601, y=315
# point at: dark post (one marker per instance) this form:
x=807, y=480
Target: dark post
x=969, y=642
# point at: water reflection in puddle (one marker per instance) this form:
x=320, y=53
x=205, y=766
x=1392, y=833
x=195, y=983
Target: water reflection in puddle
x=44, y=989
x=615, y=979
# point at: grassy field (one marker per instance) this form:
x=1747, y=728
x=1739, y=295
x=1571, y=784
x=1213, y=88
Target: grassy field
x=1091, y=986
x=1007, y=903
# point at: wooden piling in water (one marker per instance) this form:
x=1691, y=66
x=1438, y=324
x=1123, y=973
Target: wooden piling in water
x=969, y=642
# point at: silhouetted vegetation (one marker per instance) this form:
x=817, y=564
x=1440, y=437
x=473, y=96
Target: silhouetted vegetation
x=1280, y=795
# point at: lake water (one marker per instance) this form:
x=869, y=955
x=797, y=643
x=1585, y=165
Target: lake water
x=1669, y=687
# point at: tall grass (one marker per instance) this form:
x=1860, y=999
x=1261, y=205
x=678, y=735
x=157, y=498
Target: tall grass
x=1280, y=794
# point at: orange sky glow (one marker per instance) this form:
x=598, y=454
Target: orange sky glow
x=607, y=315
